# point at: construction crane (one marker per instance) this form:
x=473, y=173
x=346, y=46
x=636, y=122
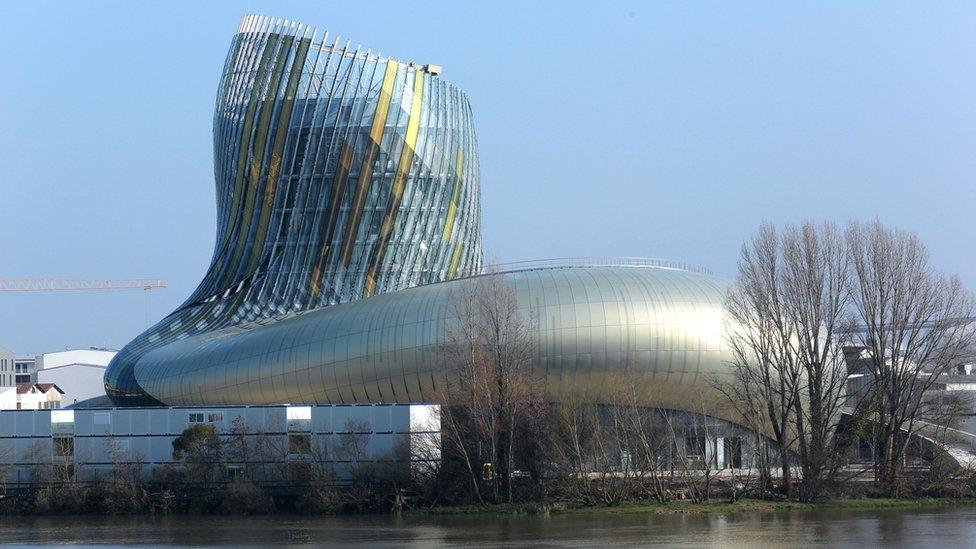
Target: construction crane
x=77, y=285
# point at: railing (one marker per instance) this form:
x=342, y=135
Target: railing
x=570, y=262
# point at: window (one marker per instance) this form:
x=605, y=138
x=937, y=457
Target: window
x=64, y=446
x=299, y=418
x=733, y=452
x=215, y=417
x=235, y=472
x=695, y=447
x=299, y=444
x=62, y=422
x=195, y=417
x=864, y=450
x=102, y=418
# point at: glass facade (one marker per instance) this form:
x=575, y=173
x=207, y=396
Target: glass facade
x=340, y=174
x=348, y=224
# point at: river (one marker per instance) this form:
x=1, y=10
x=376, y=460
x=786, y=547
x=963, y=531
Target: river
x=931, y=527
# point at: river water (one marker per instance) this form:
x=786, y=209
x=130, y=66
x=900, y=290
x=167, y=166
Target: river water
x=936, y=528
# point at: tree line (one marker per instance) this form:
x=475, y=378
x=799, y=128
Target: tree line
x=836, y=338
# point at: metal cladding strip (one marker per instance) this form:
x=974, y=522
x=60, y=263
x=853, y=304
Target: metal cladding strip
x=455, y=261
x=295, y=199
x=340, y=183
x=223, y=246
x=431, y=257
x=241, y=186
x=357, y=140
x=399, y=182
x=473, y=203
x=228, y=107
x=277, y=150
x=239, y=81
x=398, y=268
x=371, y=214
x=225, y=94
x=409, y=260
x=456, y=195
x=343, y=142
x=414, y=238
x=256, y=166
x=333, y=136
x=302, y=179
x=328, y=228
x=444, y=253
x=369, y=158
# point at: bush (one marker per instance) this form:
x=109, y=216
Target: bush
x=244, y=498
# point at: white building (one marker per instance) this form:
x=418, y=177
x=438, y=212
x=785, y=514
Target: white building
x=38, y=396
x=24, y=369
x=79, y=373
x=7, y=361
x=95, y=440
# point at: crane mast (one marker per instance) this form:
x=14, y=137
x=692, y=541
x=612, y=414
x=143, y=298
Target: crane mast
x=77, y=285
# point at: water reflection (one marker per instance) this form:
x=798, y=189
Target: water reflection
x=952, y=527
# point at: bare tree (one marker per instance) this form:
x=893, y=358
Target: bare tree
x=766, y=375
x=645, y=436
x=816, y=274
x=789, y=300
x=491, y=385
x=914, y=324
x=698, y=461
x=576, y=430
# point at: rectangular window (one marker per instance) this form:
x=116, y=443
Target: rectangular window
x=195, y=417
x=102, y=418
x=299, y=418
x=864, y=450
x=235, y=472
x=299, y=444
x=64, y=446
x=695, y=447
x=733, y=453
x=215, y=417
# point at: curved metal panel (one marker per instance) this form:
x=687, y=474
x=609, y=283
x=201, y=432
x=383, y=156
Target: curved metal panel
x=659, y=325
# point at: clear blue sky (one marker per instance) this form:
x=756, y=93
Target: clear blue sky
x=606, y=128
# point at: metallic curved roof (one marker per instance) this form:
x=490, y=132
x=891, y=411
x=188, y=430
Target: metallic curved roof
x=660, y=325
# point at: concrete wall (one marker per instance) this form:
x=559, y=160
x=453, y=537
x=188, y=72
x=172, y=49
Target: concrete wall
x=7, y=376
x=8, y=398
x=73, y=356
x=143, y=437
x=78, y=381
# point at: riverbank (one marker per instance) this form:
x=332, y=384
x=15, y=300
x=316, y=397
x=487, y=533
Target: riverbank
x=741, y=506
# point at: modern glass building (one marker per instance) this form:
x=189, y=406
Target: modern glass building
x=348, y=221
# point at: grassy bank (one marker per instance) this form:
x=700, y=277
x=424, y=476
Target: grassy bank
x=746, y=505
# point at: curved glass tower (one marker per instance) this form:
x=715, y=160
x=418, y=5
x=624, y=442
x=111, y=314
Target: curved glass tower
x=348, y=221
x=340, y=174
